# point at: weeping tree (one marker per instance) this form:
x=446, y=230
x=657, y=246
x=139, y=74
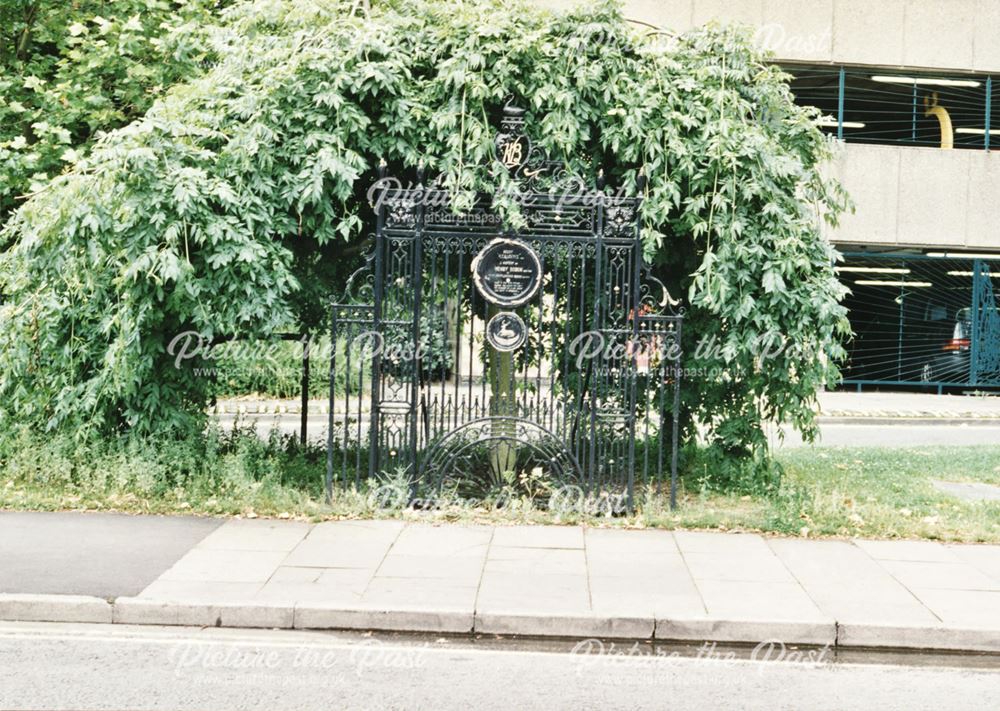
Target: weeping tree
x=71, y=70
x=238, y=203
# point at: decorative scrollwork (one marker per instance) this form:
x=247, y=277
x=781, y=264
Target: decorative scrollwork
x=654, y=296
x=489, y=455
x=619, y=221
x=400, y=213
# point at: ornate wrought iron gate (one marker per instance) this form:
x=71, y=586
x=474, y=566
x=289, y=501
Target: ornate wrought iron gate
x=473, y=357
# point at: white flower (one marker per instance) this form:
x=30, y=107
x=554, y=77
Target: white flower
x=76, y=29
x=18, y=143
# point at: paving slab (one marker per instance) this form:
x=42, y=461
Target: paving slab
x=539, y=536
x=720, y=543
x=386, y=530
x=916, y=574
x=542, y=561
x=639, y=542
x=985, y=558
x=422, y=593
x=848, y=584
x=339, y=553
x=526, y=592
x=295, y=574
x=301, y=593
x=188, y=590
x=750, y=566
x=963, y=607
x=740, y=599
x=225, y=566
x=457, y=569
x=446, y=540
x=667, y=597
x=927, y=551
x=638, y=566
x=256, y=535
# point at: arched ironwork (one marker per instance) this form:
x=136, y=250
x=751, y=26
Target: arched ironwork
x=469, y=355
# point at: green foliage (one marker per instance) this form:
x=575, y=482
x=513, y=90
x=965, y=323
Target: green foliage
x=714, y=469
x=238, y=201
x=220, y=472
x=69, y=71
x=272, y=369
x=826, y=492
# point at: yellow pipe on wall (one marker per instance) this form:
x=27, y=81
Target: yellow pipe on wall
x=932, y=108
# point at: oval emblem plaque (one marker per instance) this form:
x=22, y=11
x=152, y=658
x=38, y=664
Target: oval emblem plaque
x=506, y=331
x=507, y=272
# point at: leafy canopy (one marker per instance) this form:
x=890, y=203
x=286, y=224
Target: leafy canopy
x=69, y=71
x=233, y=205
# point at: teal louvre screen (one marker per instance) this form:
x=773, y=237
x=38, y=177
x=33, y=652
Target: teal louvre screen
x=919, y=320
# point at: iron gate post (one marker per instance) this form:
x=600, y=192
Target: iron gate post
x=330, y=416
x=416, y=375
x=379, y=287
x=977, y=276
x=596, y=364
x=675, y=416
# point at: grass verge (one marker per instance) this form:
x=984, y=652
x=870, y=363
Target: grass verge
x=875, y=493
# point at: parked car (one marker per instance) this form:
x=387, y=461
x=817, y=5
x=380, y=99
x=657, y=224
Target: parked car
x=951, y=363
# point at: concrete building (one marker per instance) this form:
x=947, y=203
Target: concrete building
x=912, y=89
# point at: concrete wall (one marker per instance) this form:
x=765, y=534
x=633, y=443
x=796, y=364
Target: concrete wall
x=905, y=196
x=919, y=197
x=961, y=35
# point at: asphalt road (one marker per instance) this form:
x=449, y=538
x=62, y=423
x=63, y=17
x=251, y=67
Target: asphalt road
x=105, y=555
x=105, y=667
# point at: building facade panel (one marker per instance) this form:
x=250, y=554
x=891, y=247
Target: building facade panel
x=867, y=32
x=933, y=197
x=983, y=209
x=918, y=197
x=985, y=41
x=796, y=35
x=865, y=174
x=940, y=34
x=749, y=12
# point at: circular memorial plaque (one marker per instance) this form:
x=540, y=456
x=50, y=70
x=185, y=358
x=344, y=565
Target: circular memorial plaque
x=506, y=331
x=507, y=272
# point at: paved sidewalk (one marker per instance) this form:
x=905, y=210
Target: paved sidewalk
x=849, y=418
x=868, y=405
x=833, y=404
x=567, y=582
